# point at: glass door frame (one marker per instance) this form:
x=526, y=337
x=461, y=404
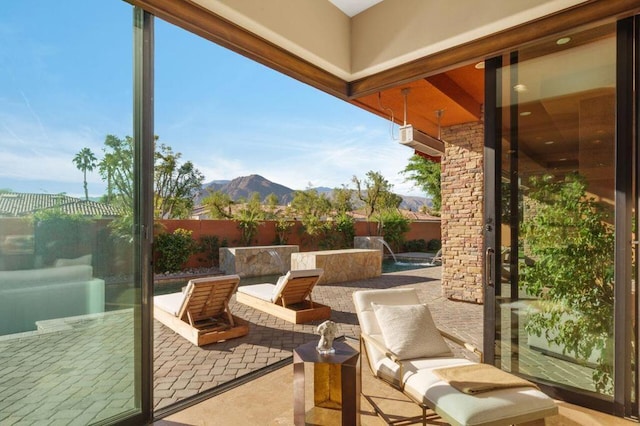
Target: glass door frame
x=627, y=35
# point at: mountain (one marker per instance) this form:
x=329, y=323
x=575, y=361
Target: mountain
x=244, y=186
x=414, y=203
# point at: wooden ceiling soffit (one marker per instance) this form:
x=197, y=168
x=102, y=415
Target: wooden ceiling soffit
x=495, y=44
x=450, y=88
x=210, y=26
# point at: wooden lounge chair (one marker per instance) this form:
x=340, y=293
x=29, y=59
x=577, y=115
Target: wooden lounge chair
x=406, y=350
x=201, y=313
x=289, y=299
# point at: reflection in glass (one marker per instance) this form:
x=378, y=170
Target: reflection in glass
x=558, y=113
x=67, y=287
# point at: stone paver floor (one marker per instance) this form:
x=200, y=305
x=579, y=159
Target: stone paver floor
x=103, y=385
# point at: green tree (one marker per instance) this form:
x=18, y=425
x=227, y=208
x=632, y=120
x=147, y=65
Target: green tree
x=85, y=161
x=426, y=175
x=570, y=238
x=118, y=160
x=342, y=199
x=375, y=193
x=272, y=201
x=393, y=227
x=218, y=204
x=312, y=209
x=175, y=184
x=249, y=217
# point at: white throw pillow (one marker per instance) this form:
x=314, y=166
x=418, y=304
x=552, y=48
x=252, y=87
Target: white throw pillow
x=409, y=331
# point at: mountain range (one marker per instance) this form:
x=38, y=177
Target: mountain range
x=244, y=186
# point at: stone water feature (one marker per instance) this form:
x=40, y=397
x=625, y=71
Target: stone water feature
x=373, y=243
x=340, y=265
x=256, y=261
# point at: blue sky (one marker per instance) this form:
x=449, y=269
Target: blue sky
x=67, y=83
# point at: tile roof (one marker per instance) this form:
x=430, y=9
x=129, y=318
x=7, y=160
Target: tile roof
x=16, y=204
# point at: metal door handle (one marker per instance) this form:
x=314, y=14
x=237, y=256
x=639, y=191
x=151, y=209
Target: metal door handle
x=489, y=266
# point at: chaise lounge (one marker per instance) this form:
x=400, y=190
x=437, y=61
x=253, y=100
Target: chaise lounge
x=289, y=299
x=406, y=350
x=201, y=312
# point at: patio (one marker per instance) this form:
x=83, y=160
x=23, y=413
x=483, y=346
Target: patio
x=182, y=370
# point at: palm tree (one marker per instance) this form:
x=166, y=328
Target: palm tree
x=85, y=161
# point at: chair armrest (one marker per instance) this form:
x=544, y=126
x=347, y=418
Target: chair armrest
x=462, y=343
x=389, y=354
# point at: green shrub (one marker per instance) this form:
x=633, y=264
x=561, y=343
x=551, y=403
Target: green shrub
x=173, y=250
x=394, y=225
x=415, y=245
x=434, y=244
x=345, y=225
x=210, y=245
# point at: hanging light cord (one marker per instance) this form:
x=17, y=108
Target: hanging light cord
x=391, y=116
x=405, y=93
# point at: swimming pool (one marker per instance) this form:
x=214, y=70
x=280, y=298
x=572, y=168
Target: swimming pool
x=389, y=265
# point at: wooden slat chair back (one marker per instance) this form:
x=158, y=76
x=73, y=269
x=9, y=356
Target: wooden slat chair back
x=297, y=290
x=208, y=298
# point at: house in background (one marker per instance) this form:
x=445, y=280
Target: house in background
x=502, y=95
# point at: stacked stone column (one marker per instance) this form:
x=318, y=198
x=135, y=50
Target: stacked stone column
x=462, y=212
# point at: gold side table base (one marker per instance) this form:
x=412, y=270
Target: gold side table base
x=336, y=381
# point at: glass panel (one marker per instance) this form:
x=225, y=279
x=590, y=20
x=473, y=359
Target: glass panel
x=67, y=286
x=557, y=101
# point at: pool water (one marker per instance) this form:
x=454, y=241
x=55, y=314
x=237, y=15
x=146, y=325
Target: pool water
x=389, y=265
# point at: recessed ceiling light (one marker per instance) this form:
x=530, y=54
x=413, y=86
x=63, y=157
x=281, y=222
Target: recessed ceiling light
x=520, y=88
x=550, y=143
x=525, y=113
x=563, y=40
x=480, y=65
x=562, y=159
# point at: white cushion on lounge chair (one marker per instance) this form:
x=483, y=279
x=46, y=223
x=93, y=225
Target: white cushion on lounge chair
x=494, y=407
x=271, y=292
x=261, y=291
x=283, y=280
x=169, y=302
x=289, y=299
x=491, y=407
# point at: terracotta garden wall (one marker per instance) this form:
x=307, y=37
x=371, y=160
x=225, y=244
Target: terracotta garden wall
x=226, y=229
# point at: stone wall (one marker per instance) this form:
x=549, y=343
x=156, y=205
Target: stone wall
x=256, y=261
x=462, y=212
x=340, y=265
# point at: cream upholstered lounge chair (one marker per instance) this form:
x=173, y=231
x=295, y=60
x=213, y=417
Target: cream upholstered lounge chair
x=404, y=348
x=201, y=313
x=289, y=299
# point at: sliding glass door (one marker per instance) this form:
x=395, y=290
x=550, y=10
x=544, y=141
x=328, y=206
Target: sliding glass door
x=558, y=215
x=72, y=240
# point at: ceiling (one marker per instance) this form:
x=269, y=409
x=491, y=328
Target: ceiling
x=352, y=7
x=458, y=93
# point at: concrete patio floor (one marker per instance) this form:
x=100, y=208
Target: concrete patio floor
x=272, y=340
x=183, y=370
